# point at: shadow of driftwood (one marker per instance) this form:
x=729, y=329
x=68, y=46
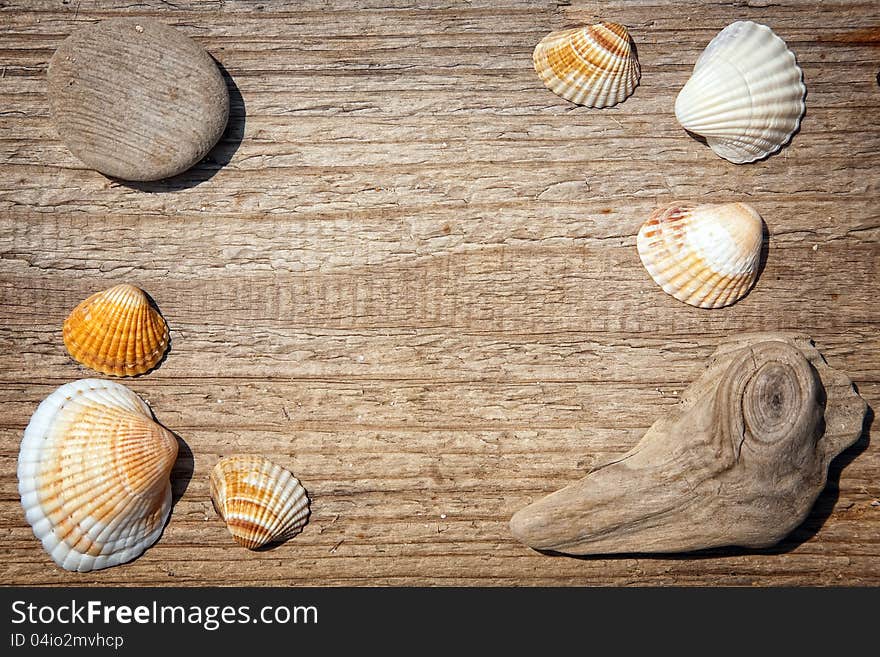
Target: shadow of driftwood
x=821, y=511
x=824, y=505
x=217, y=158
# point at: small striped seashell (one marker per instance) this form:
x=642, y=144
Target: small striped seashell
x=594, y=65
x=745, y=95
x=93, y=475
x=706, y=255
x=261, y=502
x=117, y=331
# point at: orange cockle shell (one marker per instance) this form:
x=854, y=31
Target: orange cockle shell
x=117, y=331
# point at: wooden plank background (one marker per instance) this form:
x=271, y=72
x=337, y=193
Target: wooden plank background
x=409, y=274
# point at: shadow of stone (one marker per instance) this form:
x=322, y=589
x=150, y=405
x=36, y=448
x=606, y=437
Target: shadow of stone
x=216, y=159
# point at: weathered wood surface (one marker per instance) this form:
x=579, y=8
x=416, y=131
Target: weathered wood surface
x=410, y=274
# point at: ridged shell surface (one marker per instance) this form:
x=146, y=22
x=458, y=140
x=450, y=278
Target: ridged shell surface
x=746, y=94
x=93, y=475
x=261, y=502
x=117, y=331
x=706, y=255
x=594, y=66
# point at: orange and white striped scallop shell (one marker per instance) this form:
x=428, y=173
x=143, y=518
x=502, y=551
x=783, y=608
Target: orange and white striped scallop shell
x=93, y=475
x=261, y=502
x=594, y=65
x=117, y=331
x=704, y=255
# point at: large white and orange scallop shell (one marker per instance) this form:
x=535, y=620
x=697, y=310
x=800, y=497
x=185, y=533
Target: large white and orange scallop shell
x=707, y=256
x=745, y=95
x=261, y=502
x=93, y=475
x=594, y=65
x=117, y=331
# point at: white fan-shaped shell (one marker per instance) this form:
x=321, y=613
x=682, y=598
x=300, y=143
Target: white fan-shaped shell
x=93, y=475
x=260, y=501
x=745, y=95
x=707, y=255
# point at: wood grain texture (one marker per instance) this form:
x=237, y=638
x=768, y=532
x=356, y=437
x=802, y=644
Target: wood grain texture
x=408, y=273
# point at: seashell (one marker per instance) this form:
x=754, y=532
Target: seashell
x=707, y=256
x=260, y=501
x=739, y=461
x=117, y=331
x=594, y=65
x=93, y=475
x=745, y=95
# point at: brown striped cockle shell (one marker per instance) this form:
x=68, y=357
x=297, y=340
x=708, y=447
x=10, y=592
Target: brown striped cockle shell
x=594, y=65
x=707, y=256
x=93, y=475
x=117, y=331
x=261, y=502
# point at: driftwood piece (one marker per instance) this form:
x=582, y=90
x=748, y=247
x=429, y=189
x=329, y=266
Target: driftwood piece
x=136, y=99
x=738, y=462
x=409, y=274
